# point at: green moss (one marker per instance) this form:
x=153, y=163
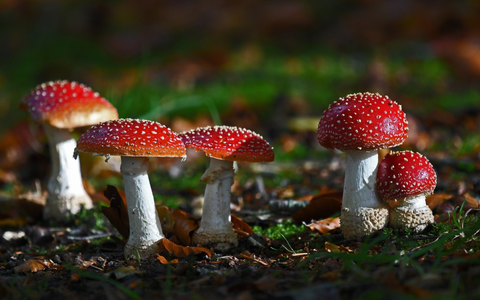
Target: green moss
x=283, y=230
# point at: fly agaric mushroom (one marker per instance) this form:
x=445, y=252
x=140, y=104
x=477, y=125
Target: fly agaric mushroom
x=223, y=145
x=404, y=178
x=360, y=124
x=135, y=141
x=61, y=106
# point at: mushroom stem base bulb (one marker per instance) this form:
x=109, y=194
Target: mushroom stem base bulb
x=145, y=227
x=220, y=240
x=215, y=227
x=362, y=211
x=66, y=194
x=144, y=248
x=413, y=213
x=60, y=207
x=362, y=221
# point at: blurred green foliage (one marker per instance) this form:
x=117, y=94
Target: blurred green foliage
x=131, y=54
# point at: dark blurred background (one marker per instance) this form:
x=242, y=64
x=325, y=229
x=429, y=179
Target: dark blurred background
x=259, y=61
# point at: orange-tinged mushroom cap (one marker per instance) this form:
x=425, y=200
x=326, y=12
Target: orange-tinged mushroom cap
x=65, y=104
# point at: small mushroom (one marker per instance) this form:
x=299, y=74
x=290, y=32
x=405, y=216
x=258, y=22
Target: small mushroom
x=223, y=145
x=406, y=178
x=135, y=141
x=360, y=124
x=61, y=106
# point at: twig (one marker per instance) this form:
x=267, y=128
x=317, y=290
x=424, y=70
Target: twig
x=95, y=267
x=90, y=237
x=428, y=244
x=253, y=259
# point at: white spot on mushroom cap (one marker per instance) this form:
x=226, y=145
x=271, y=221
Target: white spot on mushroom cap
x=229, y=143
x=128, y=137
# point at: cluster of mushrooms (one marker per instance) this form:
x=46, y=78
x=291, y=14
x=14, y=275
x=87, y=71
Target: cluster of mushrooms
x=374, y=193
x=359, y=124
x=63, y=105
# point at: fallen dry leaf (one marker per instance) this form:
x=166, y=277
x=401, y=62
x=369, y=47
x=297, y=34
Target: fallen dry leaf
x=240, y=224
x=166, y=219
x=326, y=225
x=117, y=212
x=177, y=224
x=165, y=261
x=435, y=200
x=83, y=264
x=184, y=226
x=34, y=265
x=329, y=247
x=470, y=202
x=180, y=251
x=321, y=206
x=241, y=233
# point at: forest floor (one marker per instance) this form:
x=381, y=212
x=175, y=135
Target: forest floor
x=293, y=252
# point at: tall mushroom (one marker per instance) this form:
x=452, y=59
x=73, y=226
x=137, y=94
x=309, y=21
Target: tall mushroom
x=61, y=106
x=404, y=178
x=360, y=124
x=135, y=141
x=223, y=145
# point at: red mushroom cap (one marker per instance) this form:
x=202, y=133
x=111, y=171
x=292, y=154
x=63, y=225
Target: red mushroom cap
x=362, y=121
x=405, y=174
x=130, y=137
x=65, y=104
x=229, y=143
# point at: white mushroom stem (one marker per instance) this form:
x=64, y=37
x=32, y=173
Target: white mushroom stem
x=215, y=227
x=66, y=193
x=362, y=211
x=412, y=213
x=145, y=227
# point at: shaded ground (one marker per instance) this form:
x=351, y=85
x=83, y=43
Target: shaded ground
x=80, y=261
